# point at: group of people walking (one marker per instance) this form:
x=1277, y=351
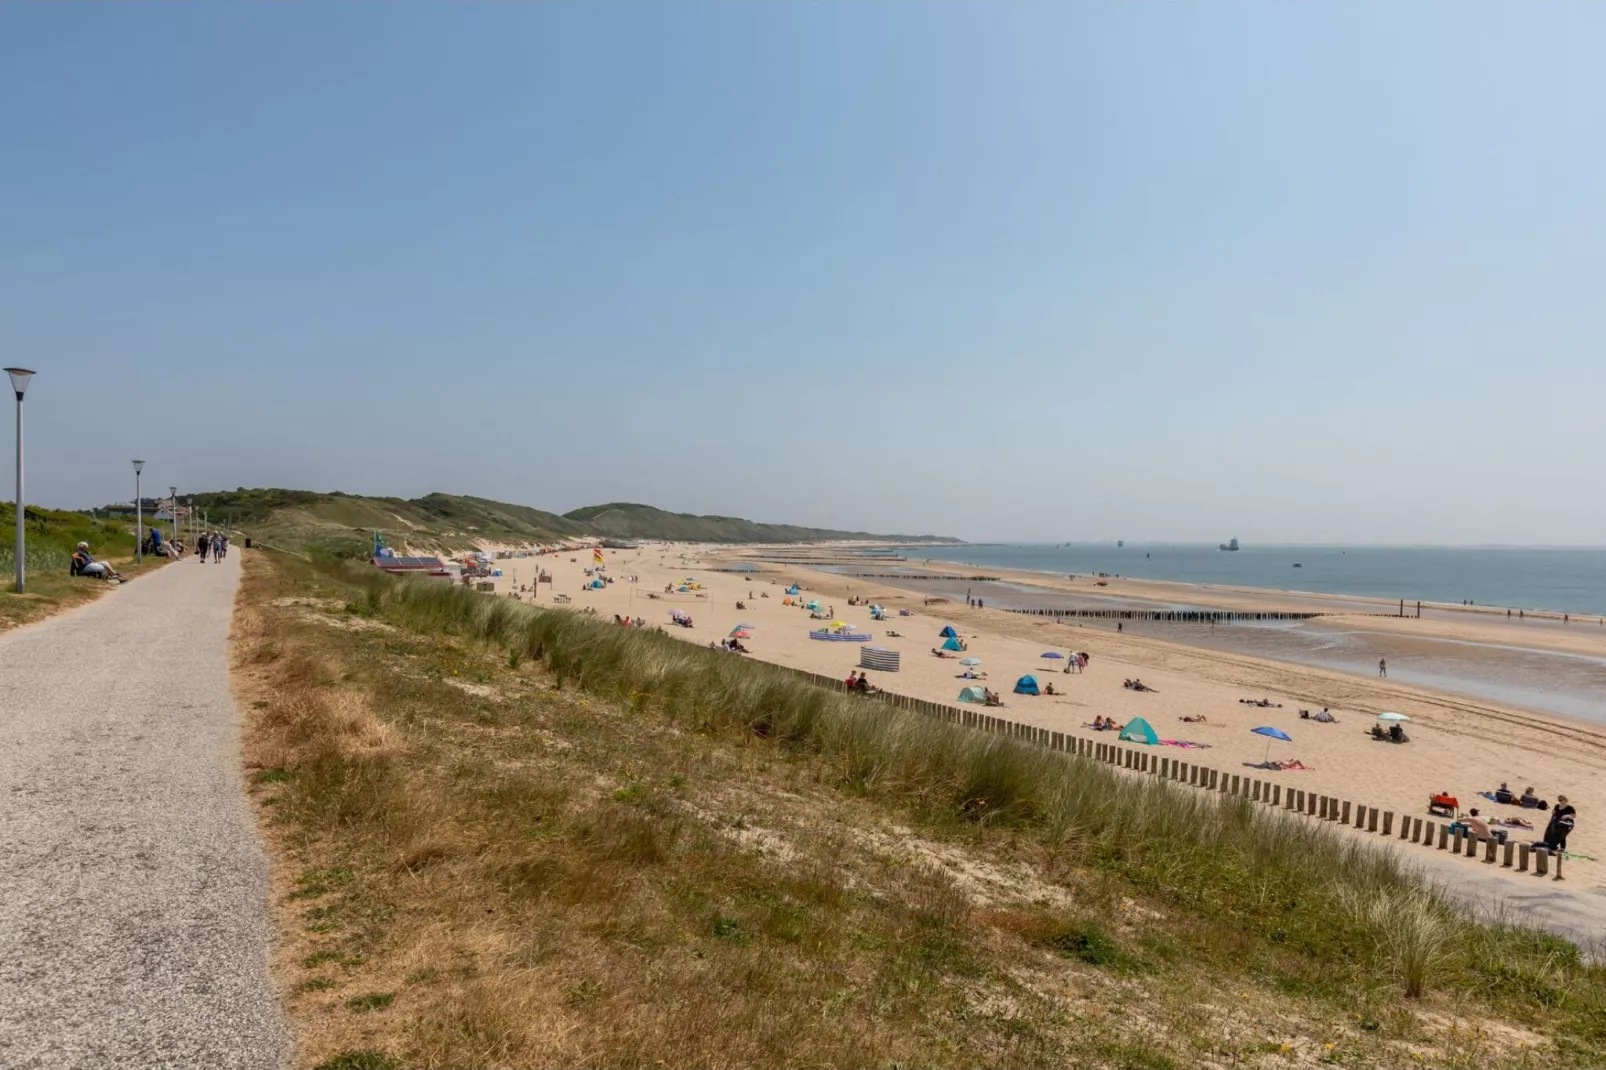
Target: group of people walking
x=214, y=542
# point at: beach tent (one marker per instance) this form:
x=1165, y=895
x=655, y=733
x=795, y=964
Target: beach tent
x=952, y=644
x=595, y=584
x=1026, y=685
x=793, y=589
x=973, y=694
x=1137, y=730
x=947, y=632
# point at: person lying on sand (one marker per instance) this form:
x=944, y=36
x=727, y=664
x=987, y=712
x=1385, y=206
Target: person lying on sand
x=940, y=653
x=1200, y=719
x=1138, y=685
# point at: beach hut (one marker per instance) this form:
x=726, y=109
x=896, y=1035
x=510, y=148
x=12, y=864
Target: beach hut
x=973, y=694
x=952, y=643
x=948, y=632
x=1026, y=685
x=1137, y=730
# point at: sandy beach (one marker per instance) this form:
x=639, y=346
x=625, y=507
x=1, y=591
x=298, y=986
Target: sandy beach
x=1459, y=744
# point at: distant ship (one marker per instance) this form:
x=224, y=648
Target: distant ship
x=1119, y=543
x=1231, y=544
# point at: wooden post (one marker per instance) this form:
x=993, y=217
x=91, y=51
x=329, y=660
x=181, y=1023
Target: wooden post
x=1388, y=822
x=1416, y=828
x=1522, y=857
x=1371, y=819
x=1489, y=850
x=1455, y=848
x=1505, y=861
x=1360, y=815
x=1427, y=833
x=1276, y=794
x=1344, y=813
x=1254, y=791
x=1213, y=777
x=1444, y=836
x=1558, y=865
x=1541, y=861
x=1310, y=803
x=1234, y=784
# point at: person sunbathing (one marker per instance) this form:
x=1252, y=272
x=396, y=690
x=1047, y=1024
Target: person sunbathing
x=1193, y=720
x=1098, y=723
x=991, y=698
x=1325, y=717
x=940, y=653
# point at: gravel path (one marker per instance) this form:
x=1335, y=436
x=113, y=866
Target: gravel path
x=133, y=888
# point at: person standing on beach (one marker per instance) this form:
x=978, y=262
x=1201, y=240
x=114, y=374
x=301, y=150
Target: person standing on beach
x=202, y=544
x=1561, y=825
x=1382, y=668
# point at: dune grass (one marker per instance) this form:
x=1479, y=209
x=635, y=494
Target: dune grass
x=554, y=840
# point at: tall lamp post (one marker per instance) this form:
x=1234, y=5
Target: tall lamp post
x=173, y=494
x=139, y=518
x=19, y=383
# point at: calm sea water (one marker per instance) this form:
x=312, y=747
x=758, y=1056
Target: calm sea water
x=1564, y=580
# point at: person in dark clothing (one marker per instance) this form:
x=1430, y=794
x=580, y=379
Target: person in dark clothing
x=202, y=544
x=1561, y=825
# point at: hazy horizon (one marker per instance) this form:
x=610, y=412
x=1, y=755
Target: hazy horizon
x=1011, y=272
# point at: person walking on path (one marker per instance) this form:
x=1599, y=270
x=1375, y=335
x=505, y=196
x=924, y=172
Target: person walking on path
x=134, y=924
x=203, y=543
x=1382, y=668
x=220, y=546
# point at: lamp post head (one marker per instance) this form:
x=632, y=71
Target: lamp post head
x=139, y=466
x=19, y=379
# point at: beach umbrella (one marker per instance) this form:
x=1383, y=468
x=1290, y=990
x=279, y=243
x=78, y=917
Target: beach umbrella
x=749, y=627
x=1392, y=717
x=970, y=661
x=740, y=633
x=1054, y=654
x=1271, y=734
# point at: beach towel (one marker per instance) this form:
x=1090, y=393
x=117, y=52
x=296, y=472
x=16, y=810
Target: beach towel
x=1186, y=744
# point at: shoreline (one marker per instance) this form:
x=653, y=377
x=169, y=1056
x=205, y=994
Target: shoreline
x=1491, y=611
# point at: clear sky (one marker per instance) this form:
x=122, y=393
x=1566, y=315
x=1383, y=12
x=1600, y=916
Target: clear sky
x=1289, y=271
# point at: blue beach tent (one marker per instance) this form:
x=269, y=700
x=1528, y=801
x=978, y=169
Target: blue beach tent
x=1137, y=730
x=1026, y=685
x=952, y=644
x=948, y=632
x=973, y=694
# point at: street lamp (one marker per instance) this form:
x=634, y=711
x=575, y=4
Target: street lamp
x=19, y=383
x=172, y=493
x=139, y=518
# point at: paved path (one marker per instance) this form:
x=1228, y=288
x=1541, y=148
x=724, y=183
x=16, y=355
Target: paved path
x=133, y=888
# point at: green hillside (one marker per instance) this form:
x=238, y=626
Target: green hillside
x=626, y=520
x=342, y=524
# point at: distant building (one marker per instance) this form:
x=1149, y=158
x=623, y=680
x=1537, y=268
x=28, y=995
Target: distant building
x=428, y=566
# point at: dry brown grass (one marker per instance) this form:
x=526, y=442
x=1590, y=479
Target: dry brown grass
x=509, y=874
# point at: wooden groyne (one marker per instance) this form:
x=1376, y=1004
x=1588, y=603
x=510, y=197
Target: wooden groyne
x=1182, y=616
x=916, y=576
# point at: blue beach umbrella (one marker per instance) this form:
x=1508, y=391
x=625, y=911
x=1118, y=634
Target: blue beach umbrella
x=1054, y=654
x=1271, y=733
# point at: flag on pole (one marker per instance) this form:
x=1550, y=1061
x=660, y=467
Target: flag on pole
x=596, y=554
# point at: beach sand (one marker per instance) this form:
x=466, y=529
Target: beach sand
x=1457, y=744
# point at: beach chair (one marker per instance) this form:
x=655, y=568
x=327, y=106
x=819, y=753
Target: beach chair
x=1443, y=805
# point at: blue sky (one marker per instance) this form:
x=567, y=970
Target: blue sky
x=1050, y=271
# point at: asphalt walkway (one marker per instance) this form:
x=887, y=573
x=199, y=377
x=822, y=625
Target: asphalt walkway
x=133, y=887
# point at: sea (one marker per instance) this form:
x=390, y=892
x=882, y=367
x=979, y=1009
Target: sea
x=1563, y=580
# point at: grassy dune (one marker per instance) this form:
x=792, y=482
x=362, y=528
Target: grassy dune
x=509, y=837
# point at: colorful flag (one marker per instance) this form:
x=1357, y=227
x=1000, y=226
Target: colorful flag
x=596, y=554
